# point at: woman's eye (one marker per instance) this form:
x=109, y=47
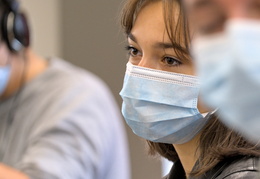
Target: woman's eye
x=133, y=51
x=171, y=61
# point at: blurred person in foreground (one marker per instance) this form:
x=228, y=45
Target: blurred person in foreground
x=226, y=47
x=57, y=121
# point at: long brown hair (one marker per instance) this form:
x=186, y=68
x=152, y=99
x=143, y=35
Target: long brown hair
x=217, y=142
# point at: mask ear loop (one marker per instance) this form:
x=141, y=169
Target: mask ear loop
x=10, y=115
x=213, y=112
x=206, y=115
x=22, y=82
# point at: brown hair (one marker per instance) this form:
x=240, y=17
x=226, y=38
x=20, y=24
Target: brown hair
x=217, y=142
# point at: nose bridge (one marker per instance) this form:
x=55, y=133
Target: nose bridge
x=145, y=62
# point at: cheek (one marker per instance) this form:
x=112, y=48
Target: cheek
x=202, y=107
x=3, y=54
x=134, y=60
x=191, y=70
x=187, y=68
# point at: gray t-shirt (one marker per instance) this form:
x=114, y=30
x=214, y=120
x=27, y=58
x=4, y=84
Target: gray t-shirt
x=64, y=124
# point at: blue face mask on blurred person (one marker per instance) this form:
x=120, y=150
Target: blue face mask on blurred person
x=228, y=66
x=4, y=77
x=161, y=106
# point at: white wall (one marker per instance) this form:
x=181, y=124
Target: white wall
x=45, y=23
x=92, y=39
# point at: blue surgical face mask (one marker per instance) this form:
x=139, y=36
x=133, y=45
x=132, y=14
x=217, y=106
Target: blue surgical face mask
x=161, y=106
x=4, y=77
x=228, y=66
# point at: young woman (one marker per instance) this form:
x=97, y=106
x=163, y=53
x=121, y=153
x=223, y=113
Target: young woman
x=161, y=98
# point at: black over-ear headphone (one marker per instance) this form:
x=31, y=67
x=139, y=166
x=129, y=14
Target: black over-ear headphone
x=15, y=31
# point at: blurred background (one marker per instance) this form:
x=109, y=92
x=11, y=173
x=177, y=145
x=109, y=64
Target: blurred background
x=88, y=34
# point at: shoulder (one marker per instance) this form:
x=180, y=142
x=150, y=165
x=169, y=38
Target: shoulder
x=65, y=81
x=246, y=168
x=66, y=94
x=63, y=71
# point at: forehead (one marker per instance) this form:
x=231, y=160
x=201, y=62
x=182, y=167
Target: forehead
x=149, y=21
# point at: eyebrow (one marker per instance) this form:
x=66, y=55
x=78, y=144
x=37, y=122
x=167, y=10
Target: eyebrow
x=132, y=37
x=203, y=3
x=162, y=45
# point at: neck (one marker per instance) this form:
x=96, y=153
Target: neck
x=188, y=154
x=35, y=65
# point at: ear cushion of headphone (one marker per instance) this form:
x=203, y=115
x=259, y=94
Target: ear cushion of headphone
x=21, y=29
x=15, y=31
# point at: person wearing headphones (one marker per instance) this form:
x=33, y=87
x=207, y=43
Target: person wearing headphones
x=226, y=48
x=57, y=121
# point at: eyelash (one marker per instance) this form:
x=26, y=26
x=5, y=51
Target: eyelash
x=130, y=49
x=174, y=60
